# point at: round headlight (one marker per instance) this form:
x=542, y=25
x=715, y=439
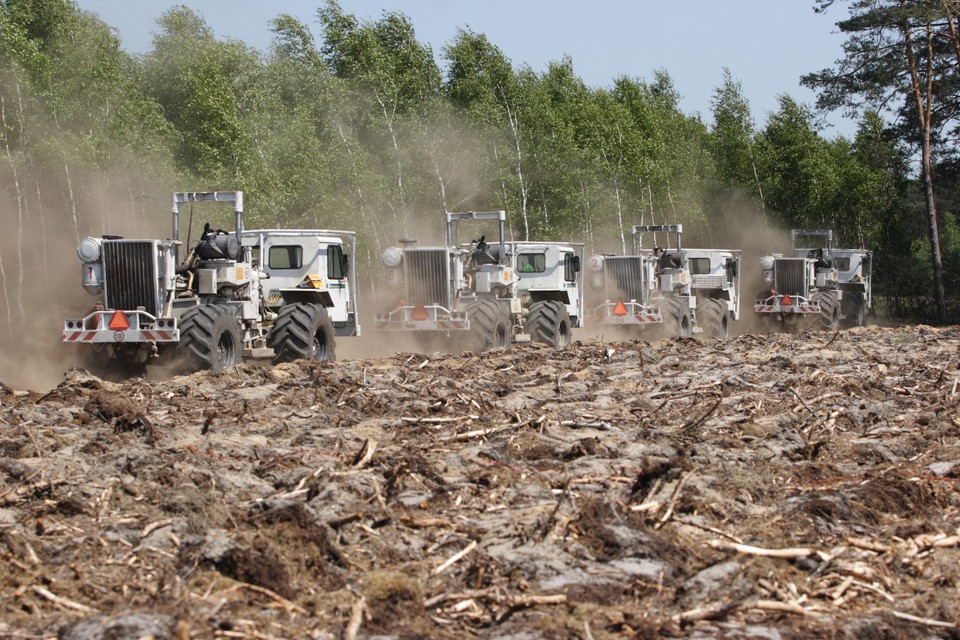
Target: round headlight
x=596, y=264
x=766, y=263
x=392, y=257
x=89, y=250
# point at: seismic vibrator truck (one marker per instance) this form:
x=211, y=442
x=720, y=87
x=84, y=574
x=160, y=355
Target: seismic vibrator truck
x=818, y=282
x=482, y=295
x=284, y=294
x=668, y=291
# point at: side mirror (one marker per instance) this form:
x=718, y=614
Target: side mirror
x=576, y=264
x=345, y=263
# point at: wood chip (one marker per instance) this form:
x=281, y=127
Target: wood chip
x=925, y=621
x=60, y=601
x=789, y=554
x=455, y=558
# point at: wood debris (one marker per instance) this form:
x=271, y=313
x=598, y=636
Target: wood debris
x=799, y=485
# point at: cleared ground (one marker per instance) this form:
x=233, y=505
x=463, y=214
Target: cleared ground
x=774, y=486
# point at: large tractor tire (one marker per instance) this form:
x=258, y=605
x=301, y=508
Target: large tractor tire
x=548, y=321
x=829, y=309
x=210, y=337
x=714, y=318
x=489, y=325
x=302, y=331
x=854, y=308
x=676, y=317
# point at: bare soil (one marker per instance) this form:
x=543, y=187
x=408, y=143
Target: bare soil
x=766, y=486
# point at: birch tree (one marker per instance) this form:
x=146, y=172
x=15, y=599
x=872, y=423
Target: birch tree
x=394, y=77
x=482, y=83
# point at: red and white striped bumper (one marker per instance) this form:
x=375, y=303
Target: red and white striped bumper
x=421, y=318
x=141, y=328
x=635, y=314
x=422, y=325
x=797, y=309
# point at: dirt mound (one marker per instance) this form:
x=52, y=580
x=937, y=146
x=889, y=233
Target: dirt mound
x=778, y=486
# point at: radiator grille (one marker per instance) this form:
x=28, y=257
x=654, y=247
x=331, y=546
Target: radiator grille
x=707, y=282
x=130, y=272
x=790, y=276
x=427, y=276
x=625, y=278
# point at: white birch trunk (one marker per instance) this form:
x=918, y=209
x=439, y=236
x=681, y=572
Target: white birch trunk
x=518, y=167
x=19, y=196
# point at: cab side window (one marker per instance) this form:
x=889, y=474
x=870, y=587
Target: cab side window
x=531, y=263
x=699, y=266
x=286, y=257
x=569, y=268
x=335, y=262
x=731, y=268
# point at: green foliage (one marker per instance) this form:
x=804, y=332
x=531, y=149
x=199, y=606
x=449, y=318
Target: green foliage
x=384, y=57
x=794, y=167
x=202, y=84
x=72, y=63
x=482, y=85
x=359, y=128
x=667, y=160
x=391, y=83
x=29, y=31
x=480, y=79
x=731, y=145
x=903, y=59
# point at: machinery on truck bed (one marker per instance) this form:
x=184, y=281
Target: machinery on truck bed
x=279, y=293
x=817, y=282
x=670, y=291
x=490, y=294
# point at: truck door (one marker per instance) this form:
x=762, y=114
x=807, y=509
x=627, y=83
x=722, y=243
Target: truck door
x=336, y=275
x=571, y=276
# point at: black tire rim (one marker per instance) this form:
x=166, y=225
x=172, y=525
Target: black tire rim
x=563, y=335
x=319, y=346
x=500, y=336
x=226, y=350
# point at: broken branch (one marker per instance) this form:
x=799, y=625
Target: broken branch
x=455, y=558
x=788, y=554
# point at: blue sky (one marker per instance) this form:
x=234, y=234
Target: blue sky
x=766, y=44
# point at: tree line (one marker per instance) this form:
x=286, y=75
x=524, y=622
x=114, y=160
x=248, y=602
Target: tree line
x=361, y=128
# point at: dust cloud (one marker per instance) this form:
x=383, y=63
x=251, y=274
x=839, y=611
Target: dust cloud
x=740, y=224
x=425, y=224
x=743, y=225
x=378, y=296
x=40, y=274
